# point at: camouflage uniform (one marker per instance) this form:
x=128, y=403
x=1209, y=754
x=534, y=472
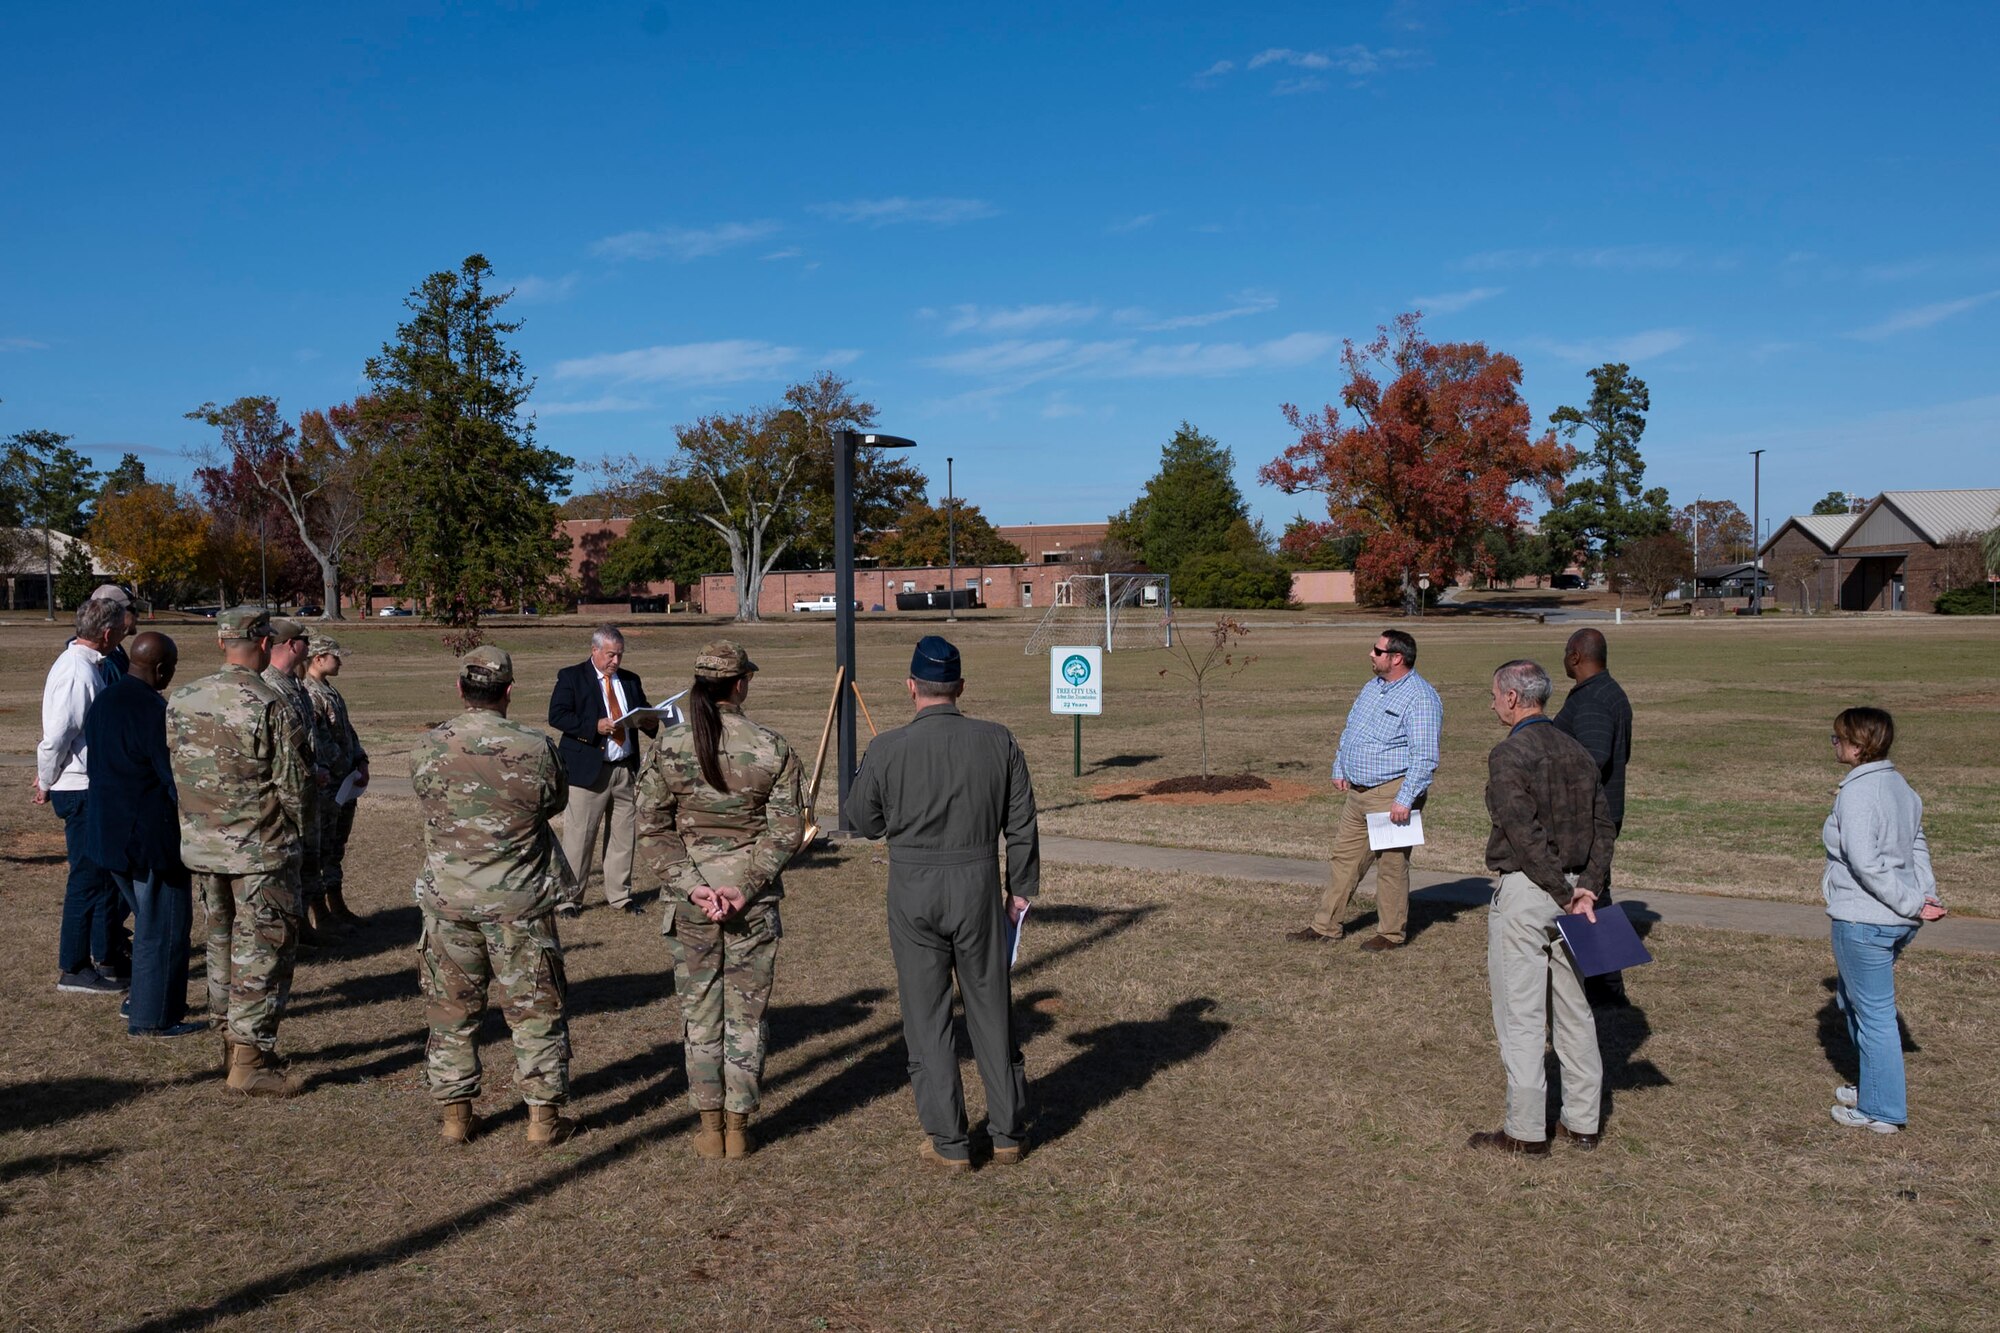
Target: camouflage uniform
x=694, y=835
x=293, y=692
x=242, y=782
x=493, y=874
x=339, y=751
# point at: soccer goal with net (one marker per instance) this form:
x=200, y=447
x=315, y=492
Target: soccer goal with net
x=1111, y=611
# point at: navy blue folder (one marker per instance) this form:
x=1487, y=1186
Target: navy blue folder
x=1609, y=946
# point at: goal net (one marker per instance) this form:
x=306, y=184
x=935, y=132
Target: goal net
x=1110, y=611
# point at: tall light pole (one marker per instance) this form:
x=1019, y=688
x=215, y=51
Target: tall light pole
x=844, y=444
x=950, y=543
x=1756, y=518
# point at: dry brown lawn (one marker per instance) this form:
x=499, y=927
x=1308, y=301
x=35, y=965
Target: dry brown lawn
x=1232, y=1132
x=1731, y=774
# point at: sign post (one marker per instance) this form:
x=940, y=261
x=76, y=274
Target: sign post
x=1076, y=687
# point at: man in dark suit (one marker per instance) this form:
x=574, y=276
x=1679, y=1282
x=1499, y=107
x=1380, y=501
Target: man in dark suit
x=133, y=830
x=600, y=752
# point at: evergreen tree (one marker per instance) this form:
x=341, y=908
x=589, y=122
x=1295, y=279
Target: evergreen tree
x=1606, y=510
x=1187, y=509
x=461, y=499
x=1834, y=502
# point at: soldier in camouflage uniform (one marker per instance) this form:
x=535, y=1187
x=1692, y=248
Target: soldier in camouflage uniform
x=238, y=766
x=335, y=742
x=493, y=874
x=287, y=665
x=720, y=813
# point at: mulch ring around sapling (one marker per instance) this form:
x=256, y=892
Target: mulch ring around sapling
x=1220, y=789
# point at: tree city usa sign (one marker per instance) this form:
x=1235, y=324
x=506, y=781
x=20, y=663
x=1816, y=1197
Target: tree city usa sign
x=1076, y=681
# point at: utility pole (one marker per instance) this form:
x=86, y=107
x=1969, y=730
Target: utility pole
x=1756, y=520
x=950, y=543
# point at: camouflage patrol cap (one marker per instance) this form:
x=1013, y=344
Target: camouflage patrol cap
x=246, y=623
x=722, y=660
x=284, y=629
x=486, y=666
x=319, y=645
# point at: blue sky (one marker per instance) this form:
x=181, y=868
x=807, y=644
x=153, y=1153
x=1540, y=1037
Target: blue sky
x=1036, y=236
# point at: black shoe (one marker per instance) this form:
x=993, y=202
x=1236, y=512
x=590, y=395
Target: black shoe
x=631, y=908
x=569, y=911
x=1606, y=992
x=87, y=982
x=177, y=1030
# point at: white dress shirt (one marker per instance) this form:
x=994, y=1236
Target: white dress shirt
x=73, y=682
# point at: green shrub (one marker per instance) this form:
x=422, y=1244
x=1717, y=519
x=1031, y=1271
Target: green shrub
x=1975, y=599
x=1241, y=579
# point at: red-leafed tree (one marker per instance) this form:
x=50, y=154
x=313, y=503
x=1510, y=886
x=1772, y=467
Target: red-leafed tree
x=1422, y=462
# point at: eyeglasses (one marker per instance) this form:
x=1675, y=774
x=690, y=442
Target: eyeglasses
x=1381, y=652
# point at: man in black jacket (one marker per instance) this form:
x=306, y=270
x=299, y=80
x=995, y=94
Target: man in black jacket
x=1598, y=716
x=133, y=830
x=600, y=754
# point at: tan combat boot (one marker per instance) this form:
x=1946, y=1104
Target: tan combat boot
x=254, y=1073
x=546, y=1126
x=459, y=1124
x=708, y=1140
x=736, y=1134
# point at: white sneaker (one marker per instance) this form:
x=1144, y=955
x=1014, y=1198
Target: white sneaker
x=1853, y=1119
x=1847, y=1095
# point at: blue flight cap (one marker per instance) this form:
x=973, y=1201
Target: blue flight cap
x=935, y=659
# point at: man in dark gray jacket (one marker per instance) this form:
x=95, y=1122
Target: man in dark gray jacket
x=943, y=790
x=1550, y=848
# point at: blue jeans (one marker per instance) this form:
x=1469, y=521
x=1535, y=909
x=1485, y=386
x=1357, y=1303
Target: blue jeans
x=162, y=912
x=1865, y=958
x=92, y=916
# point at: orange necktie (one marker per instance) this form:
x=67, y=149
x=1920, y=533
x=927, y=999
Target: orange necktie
x=611, y=709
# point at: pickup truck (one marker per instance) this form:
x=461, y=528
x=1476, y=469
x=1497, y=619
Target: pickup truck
x=826, y=601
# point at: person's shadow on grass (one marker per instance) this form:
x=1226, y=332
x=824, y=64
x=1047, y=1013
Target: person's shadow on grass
x=1839, y=1047
x=1115, y=1060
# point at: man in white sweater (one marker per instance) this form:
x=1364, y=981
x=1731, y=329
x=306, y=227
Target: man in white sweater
x=91, y=920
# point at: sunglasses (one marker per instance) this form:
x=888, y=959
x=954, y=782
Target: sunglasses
x=1385, y=652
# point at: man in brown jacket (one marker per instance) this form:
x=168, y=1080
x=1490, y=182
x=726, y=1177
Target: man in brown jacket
x=1551, y=849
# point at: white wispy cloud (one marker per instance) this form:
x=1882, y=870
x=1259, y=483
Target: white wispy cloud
x=1450, y=303
x=1020, y=318
x=22, y=345
x=722, y=362
x=1245, y=303
x=533, y=289
x=789, y=252
x=1644, y=346
x=683, y=243
x=1922, y=317
x=1356, y=61
x=589, y=406
x=1132, y=224
x=1291, y=87
x=1215, y=71
x=1600, y=257
x=901, y=208
x=1284, y=55
x=1022, y=362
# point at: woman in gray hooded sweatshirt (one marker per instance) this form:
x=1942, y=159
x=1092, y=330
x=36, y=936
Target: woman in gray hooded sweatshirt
x=1879, y=889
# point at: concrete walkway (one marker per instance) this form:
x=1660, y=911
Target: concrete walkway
x=1794, y=920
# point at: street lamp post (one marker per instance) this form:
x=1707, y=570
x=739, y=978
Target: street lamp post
x=950, y=543
x=1756, y=518
x=844, y=445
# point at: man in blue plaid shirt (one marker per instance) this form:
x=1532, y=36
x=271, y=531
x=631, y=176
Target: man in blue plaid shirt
x=1388, y=752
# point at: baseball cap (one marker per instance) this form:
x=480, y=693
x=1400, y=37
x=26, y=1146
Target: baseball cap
x=487, y=665
x=111, y=592
x=243, y=622
x=319, y=645
x=721, y=659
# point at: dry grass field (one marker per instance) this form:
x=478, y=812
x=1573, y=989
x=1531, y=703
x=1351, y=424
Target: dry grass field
x=1231, y=1132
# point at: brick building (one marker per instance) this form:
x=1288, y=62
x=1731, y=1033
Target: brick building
x=998, y=586
x=1895, y=555
x=1057, y=543
x=589, y=540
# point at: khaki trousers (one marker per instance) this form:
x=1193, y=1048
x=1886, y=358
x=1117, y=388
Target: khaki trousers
x=1351, y=858
x=1533, y=981
x=609, y=805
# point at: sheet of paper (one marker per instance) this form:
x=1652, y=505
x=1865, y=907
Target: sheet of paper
x=350, y=787
x=1384, y=833
x=1014, y=938
x=664, y=711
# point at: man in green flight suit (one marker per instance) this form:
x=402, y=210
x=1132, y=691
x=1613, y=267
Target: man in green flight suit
x=943, y=790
